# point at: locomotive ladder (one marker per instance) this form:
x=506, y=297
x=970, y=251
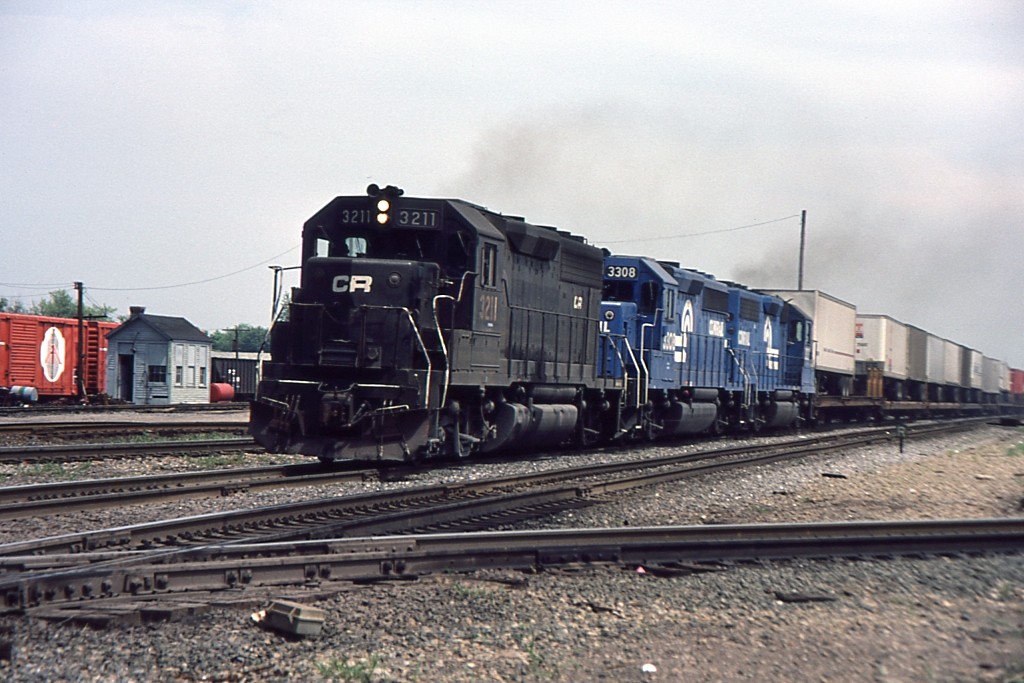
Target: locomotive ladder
x=91, y=357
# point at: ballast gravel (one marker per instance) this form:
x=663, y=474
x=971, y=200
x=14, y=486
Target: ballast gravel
x=921, y=619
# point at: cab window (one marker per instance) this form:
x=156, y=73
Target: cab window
x=489, y=265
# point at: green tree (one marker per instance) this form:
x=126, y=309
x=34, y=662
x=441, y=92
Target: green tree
x=249, y=337
x=11, y=306
x=60, y=304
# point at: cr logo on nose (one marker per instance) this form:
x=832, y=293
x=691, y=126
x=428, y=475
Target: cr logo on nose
x=352, y=283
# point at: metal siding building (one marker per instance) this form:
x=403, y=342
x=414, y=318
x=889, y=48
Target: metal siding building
x=158, y=360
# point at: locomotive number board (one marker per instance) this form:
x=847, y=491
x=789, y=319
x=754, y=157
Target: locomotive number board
x=405, y=218
x=620, y=272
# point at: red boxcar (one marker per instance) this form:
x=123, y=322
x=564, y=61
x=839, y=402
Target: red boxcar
x=1017, y=385
x=42, y=352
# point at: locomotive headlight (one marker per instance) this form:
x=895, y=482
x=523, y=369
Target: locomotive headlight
x=383, y=206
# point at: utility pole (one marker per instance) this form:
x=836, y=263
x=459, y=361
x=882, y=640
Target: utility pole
x=803, y=232
x=81, y=340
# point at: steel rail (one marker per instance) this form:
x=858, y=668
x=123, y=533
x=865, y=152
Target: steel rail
x=33, y=493
x=78, y=426
x=432, y=505
x=33, y=500
x=33, y=583
x=93, y=408
x=83, y=452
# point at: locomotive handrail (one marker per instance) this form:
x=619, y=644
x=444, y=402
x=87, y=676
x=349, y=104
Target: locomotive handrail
x=622, y=362
x=743, y=371
x=444, y=347
x=440, y=335
x=643, y=362
x=632, y=357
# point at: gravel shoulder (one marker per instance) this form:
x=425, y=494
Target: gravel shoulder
x=928, y=619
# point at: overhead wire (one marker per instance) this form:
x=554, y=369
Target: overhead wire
x=700, y=234
x=64, y=285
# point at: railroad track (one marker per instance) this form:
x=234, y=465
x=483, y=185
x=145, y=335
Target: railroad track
x=130, y=570
x=135, y=449
x=92, y=409
x=75, y=431
x=468, y=505
x=117, y=584
x=37, y=500
x=77, y=428
x=34, y=500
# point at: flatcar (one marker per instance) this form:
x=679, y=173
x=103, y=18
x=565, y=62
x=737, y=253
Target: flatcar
x=39, y=357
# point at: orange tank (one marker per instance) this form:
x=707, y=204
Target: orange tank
x=221, y=392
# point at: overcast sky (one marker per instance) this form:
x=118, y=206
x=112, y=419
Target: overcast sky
x=146, y=146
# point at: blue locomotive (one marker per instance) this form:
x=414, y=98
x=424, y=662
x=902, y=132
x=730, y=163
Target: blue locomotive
x=699, y=355
x=427, y=327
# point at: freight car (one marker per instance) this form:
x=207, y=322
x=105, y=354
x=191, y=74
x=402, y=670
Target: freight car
x=437, y=328
x=39, y=357
x=1017, y=386
x=238, y=370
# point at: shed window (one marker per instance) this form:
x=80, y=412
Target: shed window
x=203, y=363
x=179, y=364
x=157, y=374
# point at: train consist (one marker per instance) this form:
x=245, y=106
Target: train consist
x=39, y=358
x=425, y=327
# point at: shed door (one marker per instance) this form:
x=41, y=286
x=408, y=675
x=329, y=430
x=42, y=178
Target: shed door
x=126, y=376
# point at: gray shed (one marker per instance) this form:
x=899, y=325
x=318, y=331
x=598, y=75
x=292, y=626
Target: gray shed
x=158, y=360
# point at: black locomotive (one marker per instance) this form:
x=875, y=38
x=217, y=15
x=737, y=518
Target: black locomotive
x=433, y=327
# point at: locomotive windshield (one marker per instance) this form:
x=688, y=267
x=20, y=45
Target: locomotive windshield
x=453, y=248
x=405, y=245
x=618, y=290
x=625, y=290
x=351, y=247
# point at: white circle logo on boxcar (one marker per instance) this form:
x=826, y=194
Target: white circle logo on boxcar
x=51, y=354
